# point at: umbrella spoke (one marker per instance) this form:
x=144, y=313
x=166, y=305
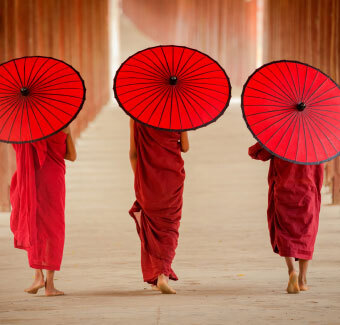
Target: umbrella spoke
x=157, y=87
x=7, y=102
x=9, y=88
x=279, y=120
x=166, y=61
x=310, y=97
x=47, y=103
x=179, y=114
x=194, y=91
x=187, y=71
x=206, y=88
x=268, y=118
x=310, y=87
x=298, y=137
x=190, y=57
x=329, y=89
x=15, y=84
x=37, y=120
x=10, y=131
x=16, y=68
x=298, y=82
x=45, y=80
x=29, y=77
x=46, y=119
x=282, y=92
x=56, y=100
x=265, y=112
x=180, y=97
x=323, y=100
x=46, y=83
x=138, y=72
x=178, y=64
x=291, y=76
x=271, y=100
x=296, y=118
x=158, y=71
x=290, y=88
x=141, y=83
x=200, y=74
x=166, y=101
x=144, y=99
x=156, y=106
x=33, y=79
x=304, y=84
x=188, y=94
x=162, y=64
x=263, y=92
x=10, y=114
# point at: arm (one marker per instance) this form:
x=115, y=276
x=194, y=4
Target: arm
x=184, y=141
x=71, y=153
x=133, y=150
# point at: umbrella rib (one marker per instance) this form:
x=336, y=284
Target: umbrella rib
x=206, y=88
x=15, y=87
x=186, y=72
x=267, y=118
x=166, y=101
x=16, y=82
x=304, y=132
x=10, y=131
x=59, y=109
x=319, y=138
x=157, y=71
x=58, y=83
x=37, y=108
x=157, y=57
x=166, y=61
x=298, y=138
x=320, y=118
x=173, y=67
x=179, y=62
x=287, y=97
x=195, y=109
x=291, y=136
x=179, y=114
x=164, y=93
x=180, y=97
x=137, y=89
x=45, y=80
x=310, y=96
x=311, y=112
x=291, y=76
x=10, y=114
x=57, y=100
x=48, y=94
x=263, y=92
x=304, y=84
x=298, y=85
x=179, y=72
x=39, y=86
x=47, y=90
x=279, y=80
x=265, y=112
x=142, y=78
x=155, y=90
x=201, y=98
x=38, y=121
x=269, y=126
x=209, y=78
x=288, y=84
x=200, y=74
x=311, y=139
x=188, y=88
x=268, y=105
x=271, y=100
x=291, y=119
x=144, y=99
x=172, y=93
x=141, y=83
x=9, y=88
x=323, y=110
x=29, y=123
x=16, y=68
x=324, y=93
x=7, y=102
x=323, y=100
x=310, y=87
x=205, y=83
x=24, y=72
x=138, y=72
x=33, y=79
x=9, y=106
x=8, y=96
x=188, y=94
x=162, y=69
x=29, y=77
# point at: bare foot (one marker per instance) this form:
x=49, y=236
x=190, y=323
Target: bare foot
x=36, y=285
x=52, y=291
x=163, y=285
x=303, y=285
x=293, y=283
x=154, y=287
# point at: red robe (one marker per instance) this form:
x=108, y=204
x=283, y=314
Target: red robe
x=159, y=182
x=294, y=200
x=38, y=201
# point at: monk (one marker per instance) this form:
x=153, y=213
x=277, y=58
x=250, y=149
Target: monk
x=38, y=205
x=294, y=200
x=155, y=157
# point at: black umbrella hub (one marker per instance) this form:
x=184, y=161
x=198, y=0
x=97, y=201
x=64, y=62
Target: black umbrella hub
x=300, y=106
x=24, y=91
x=173, y=80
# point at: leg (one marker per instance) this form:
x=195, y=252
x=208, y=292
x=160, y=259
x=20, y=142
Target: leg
x=293, y=283
x=163, y=285
x=50, y=290
x=303, y=266
x=37, y=284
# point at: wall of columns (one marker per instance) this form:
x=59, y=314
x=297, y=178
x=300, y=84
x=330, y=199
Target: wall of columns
x=307, y=31
x=224, y=29
x=75, y=31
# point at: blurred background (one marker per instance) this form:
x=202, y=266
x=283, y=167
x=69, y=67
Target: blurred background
x=95, y=36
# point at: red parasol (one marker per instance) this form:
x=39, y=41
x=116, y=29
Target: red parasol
x=293, y=110
x=173, y=88
x=39, y=96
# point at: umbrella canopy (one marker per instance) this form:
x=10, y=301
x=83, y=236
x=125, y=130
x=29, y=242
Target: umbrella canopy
x=293, y=110
x=39, y=96
x=173, y=88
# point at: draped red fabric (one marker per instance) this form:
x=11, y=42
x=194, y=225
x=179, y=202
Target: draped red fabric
x=38, y=201
x=159, y=182
x=294, y=200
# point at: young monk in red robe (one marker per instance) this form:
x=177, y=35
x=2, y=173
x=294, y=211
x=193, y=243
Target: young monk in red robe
x=156, y=161
x=294, y=201
x=38, y=205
